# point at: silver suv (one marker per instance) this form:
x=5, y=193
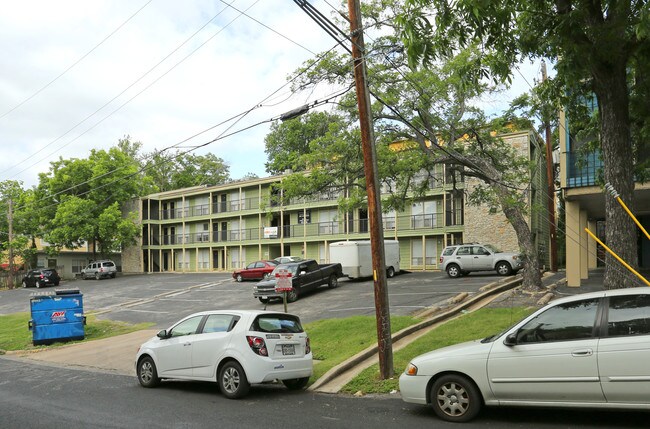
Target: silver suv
x=99, y=270
x=461, y=259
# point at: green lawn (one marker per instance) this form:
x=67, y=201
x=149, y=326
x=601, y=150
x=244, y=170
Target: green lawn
x=471, y=326
x=335, y=340
x=15, y=335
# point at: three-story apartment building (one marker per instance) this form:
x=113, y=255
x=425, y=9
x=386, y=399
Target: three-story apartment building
x=224, y=227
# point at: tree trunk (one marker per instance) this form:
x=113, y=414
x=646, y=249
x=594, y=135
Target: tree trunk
x=532, y=277
x=618, y=165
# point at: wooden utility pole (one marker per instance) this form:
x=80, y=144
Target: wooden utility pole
x=10, y=221
x=551, y=188
x=384, y=340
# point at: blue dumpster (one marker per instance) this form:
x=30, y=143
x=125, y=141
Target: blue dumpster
x=57, y=316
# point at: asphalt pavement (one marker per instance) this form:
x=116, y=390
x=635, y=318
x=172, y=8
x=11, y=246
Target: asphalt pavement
x=115, y=355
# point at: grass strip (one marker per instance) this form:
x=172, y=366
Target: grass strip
x=15, y=335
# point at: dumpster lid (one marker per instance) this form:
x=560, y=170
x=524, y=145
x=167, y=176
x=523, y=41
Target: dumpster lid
x=43, y=293
x=68, y=291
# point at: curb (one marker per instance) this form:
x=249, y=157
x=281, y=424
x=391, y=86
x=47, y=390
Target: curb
x=488, y=290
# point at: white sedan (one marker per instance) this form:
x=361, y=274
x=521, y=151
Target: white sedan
x=589, y=351
x=235, y=348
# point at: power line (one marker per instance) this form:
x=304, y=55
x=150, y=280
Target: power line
x=126, y=89
x=76, y=62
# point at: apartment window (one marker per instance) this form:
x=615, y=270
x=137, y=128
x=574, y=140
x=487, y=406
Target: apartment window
x=304, y=217
x=389, y=220
x=423, y=214
x=203, y=259
x=328, y=223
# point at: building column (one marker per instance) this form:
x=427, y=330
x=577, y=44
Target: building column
x=572, y=216
x=592, y=246
x=584, y=246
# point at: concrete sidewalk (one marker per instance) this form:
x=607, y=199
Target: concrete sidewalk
x=114, y=355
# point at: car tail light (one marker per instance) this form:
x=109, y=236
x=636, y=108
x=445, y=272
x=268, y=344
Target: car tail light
x=441, y=258
x=258, y=345
x=42, y=276
x=307, y=346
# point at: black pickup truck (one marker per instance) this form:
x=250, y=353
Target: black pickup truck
x=305, y=275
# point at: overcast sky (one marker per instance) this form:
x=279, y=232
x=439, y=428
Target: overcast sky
x=77, y=75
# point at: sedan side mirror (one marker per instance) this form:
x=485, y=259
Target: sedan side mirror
x=163, y=334
x=511, y=340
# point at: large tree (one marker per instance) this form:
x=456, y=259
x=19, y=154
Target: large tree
x=432, y=107
x=181, y=169
x=598, y=48
x=80, y=199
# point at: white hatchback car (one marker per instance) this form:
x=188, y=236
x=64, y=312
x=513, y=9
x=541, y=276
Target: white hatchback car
x=235, y=348
x=591, y=351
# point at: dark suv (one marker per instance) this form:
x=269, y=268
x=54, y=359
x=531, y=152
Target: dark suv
x=41, y=277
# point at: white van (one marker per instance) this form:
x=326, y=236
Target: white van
x=356, y=257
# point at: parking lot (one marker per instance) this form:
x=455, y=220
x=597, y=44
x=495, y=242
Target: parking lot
x=163, y=298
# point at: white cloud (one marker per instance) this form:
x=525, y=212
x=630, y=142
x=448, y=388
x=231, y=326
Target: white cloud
x=240, y=64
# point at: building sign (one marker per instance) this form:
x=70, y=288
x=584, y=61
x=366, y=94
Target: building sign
x=270, y=232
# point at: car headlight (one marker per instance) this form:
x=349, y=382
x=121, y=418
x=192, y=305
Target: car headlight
x=411, y=369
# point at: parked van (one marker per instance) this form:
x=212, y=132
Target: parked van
x=356, y=257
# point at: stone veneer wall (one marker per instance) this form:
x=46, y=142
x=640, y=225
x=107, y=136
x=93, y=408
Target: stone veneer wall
x=132, y=255
x=493, y=228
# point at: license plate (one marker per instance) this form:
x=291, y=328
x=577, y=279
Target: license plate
x=288, y=349
x=265, y=297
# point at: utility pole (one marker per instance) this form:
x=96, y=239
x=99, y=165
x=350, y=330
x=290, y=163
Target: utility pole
x=550, y=177
x=372, y=185
x=10, y=221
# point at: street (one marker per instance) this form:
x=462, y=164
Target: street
x=39, y=396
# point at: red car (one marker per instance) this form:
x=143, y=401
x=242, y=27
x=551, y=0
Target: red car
x=255, y=271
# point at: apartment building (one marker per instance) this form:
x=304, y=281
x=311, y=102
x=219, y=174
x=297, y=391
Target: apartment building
x=224, y=227
x=585, y=207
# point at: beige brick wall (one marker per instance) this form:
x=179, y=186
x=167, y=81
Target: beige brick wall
x=492, y=228
x=132, y=255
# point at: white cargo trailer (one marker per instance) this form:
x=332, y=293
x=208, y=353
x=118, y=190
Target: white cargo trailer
x=356, y=257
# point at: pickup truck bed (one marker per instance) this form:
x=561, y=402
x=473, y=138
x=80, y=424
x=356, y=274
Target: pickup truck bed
x=305, y=275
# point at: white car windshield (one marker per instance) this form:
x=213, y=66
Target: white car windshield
x=292, y=268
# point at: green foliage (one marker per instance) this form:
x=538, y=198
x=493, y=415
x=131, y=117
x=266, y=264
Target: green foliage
x=472, y=326
x=78, y=201
x=176, y=170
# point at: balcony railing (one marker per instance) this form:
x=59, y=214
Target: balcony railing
x=582, y=169
x=320, y=229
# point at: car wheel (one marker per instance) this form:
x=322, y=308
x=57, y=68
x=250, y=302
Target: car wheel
x=232, y=381
x=147, y=373
x=113, y=275
x=292, y=295
x=333, y=282
x=264, y=300
x=56, y=283
x=504, y=268
x=453, y=271
x=24, y=283
x=37, y=284
x=296, y=383
x=239, y=278
x=390, y=272
x=97, y=276
x=455, y=398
